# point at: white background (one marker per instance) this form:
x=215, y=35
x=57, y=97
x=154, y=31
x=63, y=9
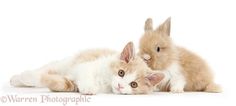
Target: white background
x=33, y=33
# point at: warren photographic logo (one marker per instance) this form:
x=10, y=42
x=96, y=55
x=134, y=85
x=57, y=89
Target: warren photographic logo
x=43, y=99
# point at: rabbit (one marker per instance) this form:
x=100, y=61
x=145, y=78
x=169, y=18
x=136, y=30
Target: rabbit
x=183, y=69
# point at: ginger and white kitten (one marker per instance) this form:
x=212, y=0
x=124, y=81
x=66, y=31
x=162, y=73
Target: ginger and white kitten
x=184, y=70
x=94, y=71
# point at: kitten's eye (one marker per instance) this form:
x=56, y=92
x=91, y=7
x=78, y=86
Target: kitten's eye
x=158, y=49
x=134, y=84
x=121, y=73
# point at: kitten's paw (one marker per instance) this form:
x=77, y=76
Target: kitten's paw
x=88, y=91
x=15, y=81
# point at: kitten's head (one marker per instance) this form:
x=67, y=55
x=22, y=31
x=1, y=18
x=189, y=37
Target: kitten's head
x=156, y=47
x=131, y=75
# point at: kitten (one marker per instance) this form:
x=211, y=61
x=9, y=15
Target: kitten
x=94, y=71
x=184, y=70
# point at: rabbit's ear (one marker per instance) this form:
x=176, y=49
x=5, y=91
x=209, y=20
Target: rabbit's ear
x=128, y=52
x=148, y=25
x=165, y=27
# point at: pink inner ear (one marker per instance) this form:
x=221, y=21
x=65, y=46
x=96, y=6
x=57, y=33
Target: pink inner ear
x=127, y=53
x=155, y=78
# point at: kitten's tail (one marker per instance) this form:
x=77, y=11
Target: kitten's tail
x=213, y=88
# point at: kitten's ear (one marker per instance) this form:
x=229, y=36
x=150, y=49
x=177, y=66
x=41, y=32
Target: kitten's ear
x=165, y=27
x=148, y=25
x=128, y=52
x=155, y=78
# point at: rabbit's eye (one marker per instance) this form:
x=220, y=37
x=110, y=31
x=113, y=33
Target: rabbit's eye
x=158, y=49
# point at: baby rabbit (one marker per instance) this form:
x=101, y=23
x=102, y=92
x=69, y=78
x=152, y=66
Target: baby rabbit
x=184, y=70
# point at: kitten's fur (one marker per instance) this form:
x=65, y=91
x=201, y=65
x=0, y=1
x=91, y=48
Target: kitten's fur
x=184, y=70
x=94, y=71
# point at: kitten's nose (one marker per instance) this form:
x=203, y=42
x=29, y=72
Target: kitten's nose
x=120, y=87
